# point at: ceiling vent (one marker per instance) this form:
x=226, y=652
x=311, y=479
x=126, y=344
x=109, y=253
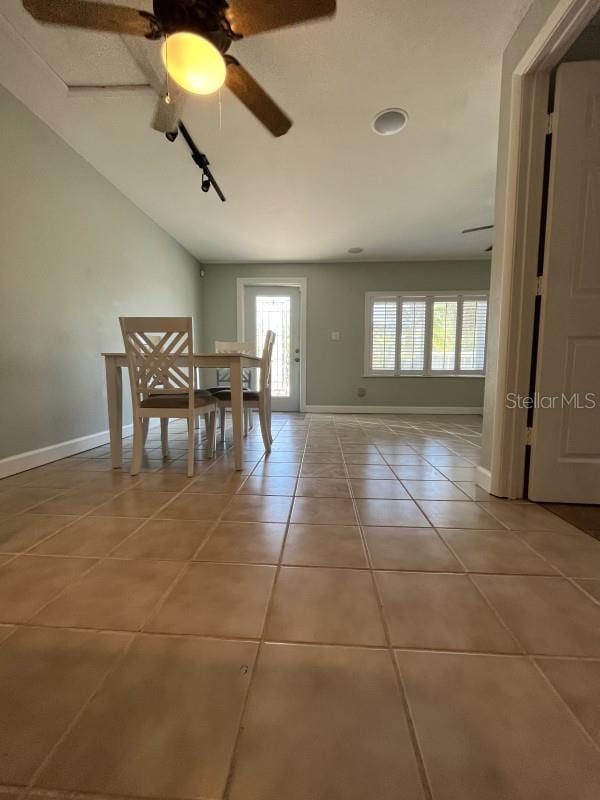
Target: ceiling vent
x=389, y=121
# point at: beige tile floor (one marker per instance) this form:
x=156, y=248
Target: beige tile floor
x=349, y=618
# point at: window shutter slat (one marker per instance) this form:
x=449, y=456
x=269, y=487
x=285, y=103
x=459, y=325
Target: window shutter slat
x=383, y=335
x=473, y=335
x=412, y=336
x=443, y=344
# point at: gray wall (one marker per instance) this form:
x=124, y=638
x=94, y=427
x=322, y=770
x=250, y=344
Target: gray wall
x=74, y=255
x=530, y=26
x=587, y=45
x=336, y=300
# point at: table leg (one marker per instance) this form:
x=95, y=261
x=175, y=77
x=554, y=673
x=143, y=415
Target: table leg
x=237, y=411
x=114, y=396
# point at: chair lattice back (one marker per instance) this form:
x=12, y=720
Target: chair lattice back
x=265, y=363
x=235, y=347
x=224, y=377
x=160, y=356
x=223, y=374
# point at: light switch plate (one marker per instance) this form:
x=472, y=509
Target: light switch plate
x=335, y=336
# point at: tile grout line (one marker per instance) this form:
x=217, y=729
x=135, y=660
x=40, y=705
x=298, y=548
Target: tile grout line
x=307, y=643
x=186, y=565
x=76, y=580
x=95, y=560
x=532, y=659
x=234, y=750
x=78, y=715
x=303, y=642
x=483, y=596
x=421, y=767
x=132, y=638
x=560, y=572
x=28, y=552
x=78, y=518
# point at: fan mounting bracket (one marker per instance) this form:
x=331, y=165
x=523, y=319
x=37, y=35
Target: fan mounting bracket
x=204, y=17
x=156, y=31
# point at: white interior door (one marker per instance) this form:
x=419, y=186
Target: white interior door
x=277, y=308
x=565, y=455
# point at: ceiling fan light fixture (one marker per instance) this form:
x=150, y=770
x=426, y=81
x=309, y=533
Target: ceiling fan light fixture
x=193, y=62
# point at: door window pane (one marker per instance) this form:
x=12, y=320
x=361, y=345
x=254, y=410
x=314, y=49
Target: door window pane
x=274, y=314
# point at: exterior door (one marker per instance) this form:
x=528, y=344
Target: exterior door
x=565, y=454
x=277, y=308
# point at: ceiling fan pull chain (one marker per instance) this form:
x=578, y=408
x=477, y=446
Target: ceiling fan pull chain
x=167, y=78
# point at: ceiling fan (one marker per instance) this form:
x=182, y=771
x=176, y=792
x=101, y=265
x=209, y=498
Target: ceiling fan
x=481, y=228
x=197, y=35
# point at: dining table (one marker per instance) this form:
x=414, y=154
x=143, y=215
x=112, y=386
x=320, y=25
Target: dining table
x=234, y=362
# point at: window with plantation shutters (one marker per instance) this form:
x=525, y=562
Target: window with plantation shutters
x=443, y=335
x=412, y=335
x=473, y=334
x=383, y=335
x=425, y=334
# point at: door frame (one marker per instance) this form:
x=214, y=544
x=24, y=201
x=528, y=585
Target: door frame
x=294, y=283
x=520, y=240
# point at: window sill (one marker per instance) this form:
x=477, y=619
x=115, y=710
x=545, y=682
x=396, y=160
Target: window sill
x=442, y=375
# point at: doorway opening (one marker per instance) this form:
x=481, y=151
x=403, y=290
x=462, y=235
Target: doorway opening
x=540, y=450
x=279, y=305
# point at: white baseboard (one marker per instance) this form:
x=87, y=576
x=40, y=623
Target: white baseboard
x=54, y=452
x=483, y=478
x=393, y=410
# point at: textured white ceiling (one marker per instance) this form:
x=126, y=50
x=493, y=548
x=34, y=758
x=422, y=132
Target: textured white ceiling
x=331, y=183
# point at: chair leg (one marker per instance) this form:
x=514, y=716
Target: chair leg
x=264, y=429
x=250, y=419
x=245, y=422
x=223, y=412
x=138, y=445
x=190, y=456
x=211, y=432
x=145, y=427
x=269, y=418
x=164, y=435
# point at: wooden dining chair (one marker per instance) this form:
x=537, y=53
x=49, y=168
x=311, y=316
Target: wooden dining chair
x=160, y=355
x=260, y=399
x=223, y=382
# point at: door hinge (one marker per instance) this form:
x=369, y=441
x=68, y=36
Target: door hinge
x=550, y=122
x=529, y=436
x=539, y=288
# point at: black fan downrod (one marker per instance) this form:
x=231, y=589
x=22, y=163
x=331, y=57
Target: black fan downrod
x=200, y=159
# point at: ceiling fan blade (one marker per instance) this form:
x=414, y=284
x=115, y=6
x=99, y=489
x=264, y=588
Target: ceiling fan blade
x=168, y=112
x=248, y=17
x=92, y=16
x=480, y=228
x=254, y=97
